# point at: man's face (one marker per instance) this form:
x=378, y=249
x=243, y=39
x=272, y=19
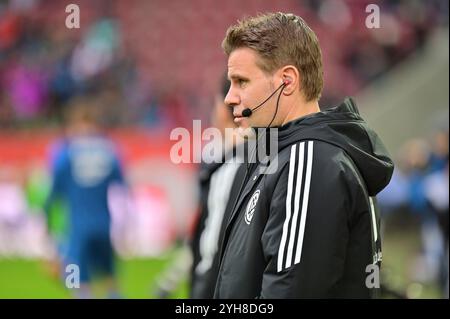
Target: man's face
x=221, y=116
x=249, y=87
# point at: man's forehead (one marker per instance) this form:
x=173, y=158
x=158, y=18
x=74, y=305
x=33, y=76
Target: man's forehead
x=242, y=63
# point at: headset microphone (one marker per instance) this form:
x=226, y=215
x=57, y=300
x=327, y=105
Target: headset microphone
x=248, y=112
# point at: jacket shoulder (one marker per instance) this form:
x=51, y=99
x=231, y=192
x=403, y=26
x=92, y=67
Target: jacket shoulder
x=324, y=154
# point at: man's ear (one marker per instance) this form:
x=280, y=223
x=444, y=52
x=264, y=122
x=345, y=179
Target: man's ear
x=291, y=77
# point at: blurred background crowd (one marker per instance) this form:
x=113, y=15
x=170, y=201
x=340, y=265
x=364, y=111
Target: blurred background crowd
x=151, y=66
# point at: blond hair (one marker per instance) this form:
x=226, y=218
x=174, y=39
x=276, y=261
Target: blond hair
x=281, y=39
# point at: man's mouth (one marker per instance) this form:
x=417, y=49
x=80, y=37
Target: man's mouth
x=237, y=115
x=238, y=119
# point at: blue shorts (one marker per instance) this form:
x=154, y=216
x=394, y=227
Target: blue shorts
x=93, y=254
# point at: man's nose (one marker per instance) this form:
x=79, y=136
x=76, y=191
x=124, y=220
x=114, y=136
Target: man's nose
x=232, y=99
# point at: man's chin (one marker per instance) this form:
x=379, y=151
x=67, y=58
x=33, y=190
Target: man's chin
x=246, y=132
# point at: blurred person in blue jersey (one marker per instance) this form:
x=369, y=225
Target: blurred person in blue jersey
x=84, y=168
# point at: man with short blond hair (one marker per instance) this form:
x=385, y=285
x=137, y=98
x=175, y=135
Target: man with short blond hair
x=309, y=227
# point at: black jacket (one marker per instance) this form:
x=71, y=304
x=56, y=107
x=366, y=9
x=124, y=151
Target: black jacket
x=310, y=229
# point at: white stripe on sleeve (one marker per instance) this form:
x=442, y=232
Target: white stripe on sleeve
x=298, y=188
x=301, y=233
x=288, y=208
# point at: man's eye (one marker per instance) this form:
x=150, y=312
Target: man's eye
x=242, y=82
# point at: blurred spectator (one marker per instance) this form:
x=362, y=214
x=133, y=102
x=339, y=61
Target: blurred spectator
x=421, y=187
x=439, y=154
x=436, y=186
x=436, y=192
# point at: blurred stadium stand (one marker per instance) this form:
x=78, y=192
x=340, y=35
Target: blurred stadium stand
x=163, y=59
x=414, y=95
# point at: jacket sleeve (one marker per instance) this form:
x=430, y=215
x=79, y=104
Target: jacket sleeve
x=306, y=235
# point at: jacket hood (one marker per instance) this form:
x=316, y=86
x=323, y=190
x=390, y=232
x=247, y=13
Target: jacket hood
x=343, y=127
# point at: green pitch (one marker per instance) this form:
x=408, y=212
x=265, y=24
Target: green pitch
x=137, y=278
x=31, y=279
